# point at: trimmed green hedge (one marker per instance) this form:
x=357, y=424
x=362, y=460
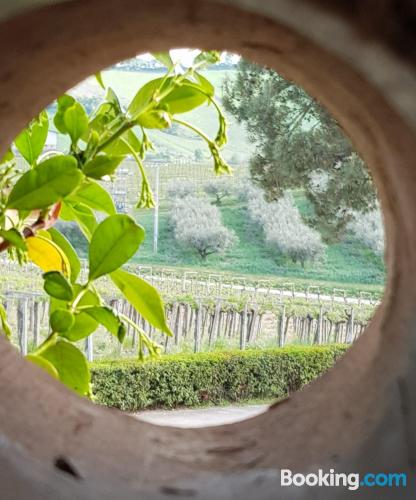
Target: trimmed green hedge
x=192, y=380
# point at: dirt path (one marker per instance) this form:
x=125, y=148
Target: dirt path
x=201, y=417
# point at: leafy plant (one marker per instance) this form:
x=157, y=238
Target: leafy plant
x=66, y=186
x=192, y=380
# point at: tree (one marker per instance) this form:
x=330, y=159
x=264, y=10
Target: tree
x=197, y=225
x=368, y=229
x=219, y=188
x=296, y=138
x=284, y=230
x=66, y=186
x=180, y=188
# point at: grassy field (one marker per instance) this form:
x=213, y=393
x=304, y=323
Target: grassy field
x=346, y=265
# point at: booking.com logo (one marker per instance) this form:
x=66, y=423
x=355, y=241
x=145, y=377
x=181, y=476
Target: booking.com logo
x=352, y=481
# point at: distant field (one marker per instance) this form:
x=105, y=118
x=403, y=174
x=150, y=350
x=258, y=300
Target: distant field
x=126, y=84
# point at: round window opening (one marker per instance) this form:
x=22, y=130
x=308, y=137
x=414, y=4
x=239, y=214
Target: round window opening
x=188, y=230
x=362, y=413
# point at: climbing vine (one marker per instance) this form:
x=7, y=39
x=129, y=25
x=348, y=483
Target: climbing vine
x=67, y=186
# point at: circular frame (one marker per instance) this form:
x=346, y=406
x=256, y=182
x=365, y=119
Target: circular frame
x=362, y=412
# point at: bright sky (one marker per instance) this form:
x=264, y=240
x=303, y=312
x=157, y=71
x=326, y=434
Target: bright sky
x=185, y=56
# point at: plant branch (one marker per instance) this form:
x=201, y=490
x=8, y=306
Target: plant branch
x=40, y=223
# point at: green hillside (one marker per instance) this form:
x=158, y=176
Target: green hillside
x=345, y=263
x=177, y=142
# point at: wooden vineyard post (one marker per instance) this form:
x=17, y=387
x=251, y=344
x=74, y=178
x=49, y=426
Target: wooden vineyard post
x=243, y=331
x=281, y=323
x=319, y=332
x=89, y=348
x=253, y=324
x=198, y=311
x=178, y=324
x=213, y=329
x=36, y=323
x=22, y=325
x=350, y=328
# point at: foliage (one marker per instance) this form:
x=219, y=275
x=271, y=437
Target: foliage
x=368, y=229
x=295, y=139
x=197, y=224
x=284, y=230
x=219, y=189
x=67, y=186
x=191, y=380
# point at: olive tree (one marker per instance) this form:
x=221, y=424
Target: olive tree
x=368, y=228
x=197, y=225
x=284, y=230
x=180, y=188
x=219, y=189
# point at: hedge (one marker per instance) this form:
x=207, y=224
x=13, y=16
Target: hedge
x=215, y=377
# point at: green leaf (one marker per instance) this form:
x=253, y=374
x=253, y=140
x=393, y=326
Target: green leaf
x=181, y=99
x=60, y=240
x=119, y=148
x=116, y=239
x=71, y=365
x=156, y=119
x=99, y=78
x=184, y=98
x=112, y=98
x=76, y=121
x=3, y=321
x=7, y=157
x=64, y=102
x=94, y=196
x=61, y=320
x=109, y=319
x=46, y=184
x=81, y=214
x=164, y=58
x=57, y=286
x=144, y=298
x=146, y=94
x=14, y=238
x=31, y=141
x=102, y=165
x=84, y=324
x=44, y=364
x=108, y=116
x=207, y=58
x=205, y=84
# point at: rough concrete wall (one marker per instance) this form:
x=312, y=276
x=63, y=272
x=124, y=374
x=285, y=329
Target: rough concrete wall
x=359, y=417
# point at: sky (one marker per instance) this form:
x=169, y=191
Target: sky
x=185, y=56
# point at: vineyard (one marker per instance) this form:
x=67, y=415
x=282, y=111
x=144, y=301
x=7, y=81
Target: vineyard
x=204, y=312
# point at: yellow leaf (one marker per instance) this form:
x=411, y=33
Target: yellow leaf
x=47, y=255
x=44, y=364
